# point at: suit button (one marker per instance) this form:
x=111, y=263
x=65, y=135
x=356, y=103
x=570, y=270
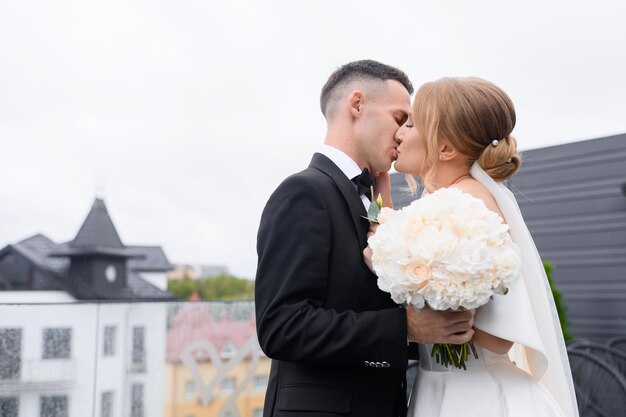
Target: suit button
x=379, y=365
x=367, y=363
x=386, y=365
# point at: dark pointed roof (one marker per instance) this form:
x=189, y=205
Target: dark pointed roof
x=38, y=250
x=97, y=236
x=97, y=229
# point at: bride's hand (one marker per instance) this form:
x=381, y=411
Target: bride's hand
x=367, y=252
x=383, y=187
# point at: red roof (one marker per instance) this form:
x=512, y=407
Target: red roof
x=194, y=322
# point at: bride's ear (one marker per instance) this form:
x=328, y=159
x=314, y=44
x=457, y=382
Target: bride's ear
x=447, y=152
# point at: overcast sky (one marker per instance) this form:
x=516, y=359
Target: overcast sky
x=185, y=115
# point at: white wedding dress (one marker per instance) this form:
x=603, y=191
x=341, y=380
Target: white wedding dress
x=534, y=378
x=492, y=386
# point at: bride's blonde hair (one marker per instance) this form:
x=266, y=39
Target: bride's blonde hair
x=471, y=113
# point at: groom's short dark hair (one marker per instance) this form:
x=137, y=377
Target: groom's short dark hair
x=366, y=69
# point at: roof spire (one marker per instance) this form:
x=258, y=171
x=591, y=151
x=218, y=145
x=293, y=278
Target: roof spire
x=97, y=229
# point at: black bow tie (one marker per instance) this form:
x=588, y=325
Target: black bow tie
x=364, y=183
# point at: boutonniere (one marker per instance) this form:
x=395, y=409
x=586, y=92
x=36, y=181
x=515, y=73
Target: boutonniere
x=374, y=209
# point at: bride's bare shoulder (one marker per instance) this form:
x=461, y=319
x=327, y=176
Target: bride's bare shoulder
x=476, y=189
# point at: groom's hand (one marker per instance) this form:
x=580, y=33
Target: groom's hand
x=429, y=326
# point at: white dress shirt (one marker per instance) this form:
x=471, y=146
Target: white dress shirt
x=345, y=164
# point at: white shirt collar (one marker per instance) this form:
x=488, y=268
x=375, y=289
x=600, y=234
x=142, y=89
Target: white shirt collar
x=342, y=160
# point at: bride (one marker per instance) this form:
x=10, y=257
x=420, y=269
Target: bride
x=459, y=135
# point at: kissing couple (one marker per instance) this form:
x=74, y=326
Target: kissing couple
x=340, y=345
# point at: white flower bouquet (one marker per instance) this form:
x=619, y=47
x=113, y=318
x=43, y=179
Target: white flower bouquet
x=446, y=250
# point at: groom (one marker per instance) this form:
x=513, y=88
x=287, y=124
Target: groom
x=339, y=345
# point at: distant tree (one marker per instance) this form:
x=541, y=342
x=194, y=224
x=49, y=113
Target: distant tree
x=182, y=288
x=561, y=309
x=220, y=287
x=226, y=287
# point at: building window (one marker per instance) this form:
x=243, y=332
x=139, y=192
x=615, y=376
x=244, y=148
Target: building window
x=109, y=340
x=190, y=389
x=136, y=398
x=106, y=405
x=260, y=382
x=228, y=385
x=57, y=343
x=258, y=412
x=139, y=351
x=54, y=406
x=9, y=406
x=10, y=353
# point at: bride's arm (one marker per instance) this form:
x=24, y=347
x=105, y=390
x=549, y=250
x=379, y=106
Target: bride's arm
x=488, y=341
x=491, y=342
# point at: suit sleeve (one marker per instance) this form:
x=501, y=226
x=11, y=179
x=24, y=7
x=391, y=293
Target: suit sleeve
x=294, y=243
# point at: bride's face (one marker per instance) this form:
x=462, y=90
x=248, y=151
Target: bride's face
x=411, y=150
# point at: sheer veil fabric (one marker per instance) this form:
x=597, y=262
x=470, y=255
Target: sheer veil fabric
x=527, y=314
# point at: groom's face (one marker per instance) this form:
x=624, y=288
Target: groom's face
x=384, y=115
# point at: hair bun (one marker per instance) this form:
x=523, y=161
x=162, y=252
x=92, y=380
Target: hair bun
x=501, y=161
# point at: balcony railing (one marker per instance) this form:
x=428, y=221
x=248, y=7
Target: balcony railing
x=41, y=374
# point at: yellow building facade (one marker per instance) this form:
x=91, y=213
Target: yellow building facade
x=183, y=396
x=214, y=367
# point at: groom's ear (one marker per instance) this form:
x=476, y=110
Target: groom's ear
x=447, y=152
x=355, y=101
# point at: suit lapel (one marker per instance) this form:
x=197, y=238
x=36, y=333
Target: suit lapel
x=349, y=193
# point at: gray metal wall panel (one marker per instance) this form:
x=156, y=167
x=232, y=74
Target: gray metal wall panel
x=571, y=197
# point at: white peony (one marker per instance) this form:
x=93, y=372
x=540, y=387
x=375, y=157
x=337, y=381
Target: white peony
x=447, y=250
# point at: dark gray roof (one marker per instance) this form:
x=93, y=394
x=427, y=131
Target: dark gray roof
x=152, y=259
x=97, y=229
x=143, y=289
x=97, y=250
x=97, y=236
x=38, y=248
x=35, y=250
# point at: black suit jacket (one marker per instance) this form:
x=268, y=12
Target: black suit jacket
x=338, y=343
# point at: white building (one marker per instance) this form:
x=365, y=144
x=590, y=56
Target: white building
x=76, y=335
x=65, y=360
